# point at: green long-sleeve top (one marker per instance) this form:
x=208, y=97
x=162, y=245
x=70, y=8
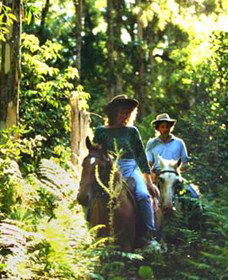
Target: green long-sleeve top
x=127, y=140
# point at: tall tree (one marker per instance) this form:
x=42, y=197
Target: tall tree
x=139, y=88
x=78, y=4
x=10, y=68
x=110, y=48
x=43, y=20
x=118, y=4
x=76, y=128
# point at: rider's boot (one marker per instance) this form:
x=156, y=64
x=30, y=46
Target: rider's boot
x=151, y=239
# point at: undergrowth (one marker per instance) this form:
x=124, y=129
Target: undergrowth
x=44, y=235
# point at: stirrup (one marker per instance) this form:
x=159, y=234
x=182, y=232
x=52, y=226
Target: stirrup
x=154, y=245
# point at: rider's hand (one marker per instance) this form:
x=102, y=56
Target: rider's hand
x=151, y=186
x=154, y=190
x=153, y=177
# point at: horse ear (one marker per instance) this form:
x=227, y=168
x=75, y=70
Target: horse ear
x=88, y=143
x=179, y=162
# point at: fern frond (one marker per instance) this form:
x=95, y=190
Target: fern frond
x=56, y=180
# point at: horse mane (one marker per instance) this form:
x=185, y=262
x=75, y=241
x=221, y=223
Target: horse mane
x=96, y=147
x=108, y=167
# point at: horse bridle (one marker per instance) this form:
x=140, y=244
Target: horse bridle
x=175, y=185
x=168, y=171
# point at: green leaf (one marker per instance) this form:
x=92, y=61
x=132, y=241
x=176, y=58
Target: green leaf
x=12, y=16
x=146, y=272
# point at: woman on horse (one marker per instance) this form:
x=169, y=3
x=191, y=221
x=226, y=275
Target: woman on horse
x=119, y=135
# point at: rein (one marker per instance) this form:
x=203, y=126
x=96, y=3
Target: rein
x=168, y=171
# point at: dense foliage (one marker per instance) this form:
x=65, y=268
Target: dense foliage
x=45, y=93
x=43, y=233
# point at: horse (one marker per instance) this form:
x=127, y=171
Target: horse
x=176, y=192
x=97, y=168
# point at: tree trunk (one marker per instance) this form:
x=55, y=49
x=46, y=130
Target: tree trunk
x=150, y=40
x=76, y=128
x=42, y=22
x=119, y=65
x=110, y=48
x=80, y=126
x=10, y=70
x=75, y=131
x=78, y=8
x=140, y=83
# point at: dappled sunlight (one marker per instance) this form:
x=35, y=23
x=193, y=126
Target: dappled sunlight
x=101, y=27
x=200, y=30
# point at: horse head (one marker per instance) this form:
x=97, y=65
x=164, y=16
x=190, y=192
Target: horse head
x=96, y=158
x=168, y=180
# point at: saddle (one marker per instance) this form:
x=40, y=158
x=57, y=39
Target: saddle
x=130, y=188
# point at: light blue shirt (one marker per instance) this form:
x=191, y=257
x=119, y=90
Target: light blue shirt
x=173, y=149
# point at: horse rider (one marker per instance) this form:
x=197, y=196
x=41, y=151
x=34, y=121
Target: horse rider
x=168, y=147
x=120, y=136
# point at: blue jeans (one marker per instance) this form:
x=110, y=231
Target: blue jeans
x=129, y=168
x=192, y=191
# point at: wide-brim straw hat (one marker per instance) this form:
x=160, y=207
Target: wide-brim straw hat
x=121, y=101
x=163, y=118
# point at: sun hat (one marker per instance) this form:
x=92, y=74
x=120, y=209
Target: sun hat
x=163, y=118
x=119, y=101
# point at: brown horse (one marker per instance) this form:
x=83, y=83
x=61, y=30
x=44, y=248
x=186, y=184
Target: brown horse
x=126, y=223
